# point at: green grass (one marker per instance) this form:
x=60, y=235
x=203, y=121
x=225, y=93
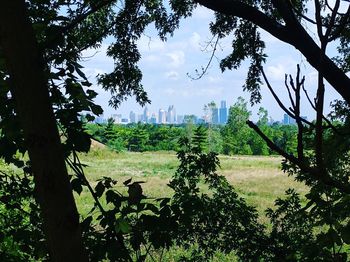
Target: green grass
x=258, y=179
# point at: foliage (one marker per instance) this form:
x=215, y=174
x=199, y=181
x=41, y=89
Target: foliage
x=218, y=220
x=21, y=233
x=234, y=138
x=63, y=29
x=130, y=227
x=292, y=236
x=137, y=137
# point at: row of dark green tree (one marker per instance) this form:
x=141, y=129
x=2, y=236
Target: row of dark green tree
x=233, y=138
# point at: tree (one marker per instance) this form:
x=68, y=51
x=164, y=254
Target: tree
x=27, y=80
x=236, y=133
x=285, y=21
x=258, y=145
x=42, y=63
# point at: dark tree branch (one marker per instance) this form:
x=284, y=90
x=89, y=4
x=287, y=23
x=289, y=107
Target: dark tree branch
x=318, y=20
x=343, y=22
x=288, y=90
x=293, y=33
x=330, y=125
x=317, y=174
x=308, y=19
x=247, y=12
x=299, y=84
x=332, y=20
x=77, y=20
x=285, y=9
x=279, y=102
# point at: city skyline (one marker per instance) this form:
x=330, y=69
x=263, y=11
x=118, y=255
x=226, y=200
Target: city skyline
x=215, y=116
x=212, y=114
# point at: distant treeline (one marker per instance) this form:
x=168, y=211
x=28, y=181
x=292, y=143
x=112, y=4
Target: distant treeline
x=221, y=139
x=234, y=138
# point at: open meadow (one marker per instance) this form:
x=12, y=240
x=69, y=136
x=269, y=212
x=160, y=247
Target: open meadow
x=258, y=179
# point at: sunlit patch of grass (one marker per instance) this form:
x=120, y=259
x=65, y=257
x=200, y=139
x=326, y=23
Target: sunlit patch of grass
x=258, y=179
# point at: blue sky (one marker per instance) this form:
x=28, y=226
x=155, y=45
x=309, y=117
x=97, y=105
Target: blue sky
x=165, y=66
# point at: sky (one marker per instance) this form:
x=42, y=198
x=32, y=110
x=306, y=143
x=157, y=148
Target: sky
x=166, y=67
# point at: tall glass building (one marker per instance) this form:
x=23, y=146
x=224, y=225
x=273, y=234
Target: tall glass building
x=223, y=112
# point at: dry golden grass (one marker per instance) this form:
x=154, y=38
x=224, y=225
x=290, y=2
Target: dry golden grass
x=258, y=179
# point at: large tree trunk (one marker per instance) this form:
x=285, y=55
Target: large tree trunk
x=30, y=89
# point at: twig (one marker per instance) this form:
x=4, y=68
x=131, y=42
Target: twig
x=209, y=62
x=279, y=102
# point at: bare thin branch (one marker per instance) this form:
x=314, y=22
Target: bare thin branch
x=332, y=20
x=279, y=102
x=320, y=175
x=288, y=89
x=204, y=71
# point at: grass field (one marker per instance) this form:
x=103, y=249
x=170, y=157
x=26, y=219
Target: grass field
x=256, y=178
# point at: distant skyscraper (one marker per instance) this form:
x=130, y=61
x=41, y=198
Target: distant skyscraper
x=153, y=119
x=132, y=117
x=215, y=115
x=162, y=116
x=117, y=118
x=287, y=120
x=223, y=112
x=124, y=121
x=145, y=115
x=139, y=118
x=171, y=115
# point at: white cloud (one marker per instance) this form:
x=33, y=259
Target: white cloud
x=195, y=40
x=281, y=67
x=151, y=58
x=173, y=75
x=177, y=58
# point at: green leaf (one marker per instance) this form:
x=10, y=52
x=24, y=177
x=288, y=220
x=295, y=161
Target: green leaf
x=126, y=182
x=99, y=189
x=345, y=233
x=112, y=197
x=77, y=185
x=123, y=226
x=96, y=109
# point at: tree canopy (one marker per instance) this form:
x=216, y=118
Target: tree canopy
x=43, y=91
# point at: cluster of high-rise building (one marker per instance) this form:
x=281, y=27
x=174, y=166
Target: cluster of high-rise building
x=214, y=116
x=163, y=117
